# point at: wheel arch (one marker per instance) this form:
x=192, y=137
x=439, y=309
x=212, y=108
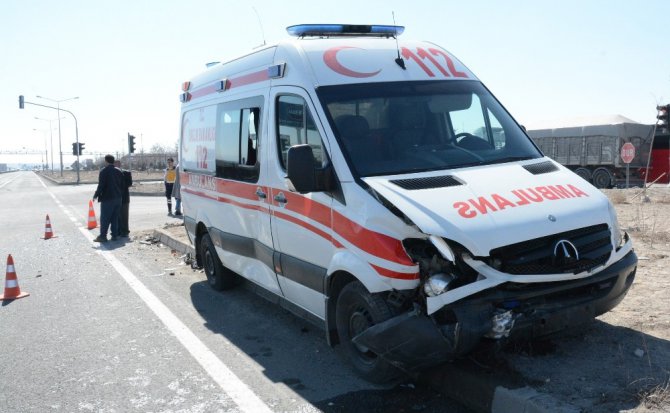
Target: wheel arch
x=346, y=267
x=334, y=285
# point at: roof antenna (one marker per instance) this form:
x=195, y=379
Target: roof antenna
x=260, y=24
x=399, y=60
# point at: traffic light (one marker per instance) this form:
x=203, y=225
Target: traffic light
x=131, y=143
x=663, y=116
x=21, y=104
x=77, y=148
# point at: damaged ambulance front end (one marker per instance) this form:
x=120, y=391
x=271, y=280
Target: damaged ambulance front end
x=511, y=243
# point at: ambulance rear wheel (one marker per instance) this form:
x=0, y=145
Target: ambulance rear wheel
x=218, y=276
x=357, y=310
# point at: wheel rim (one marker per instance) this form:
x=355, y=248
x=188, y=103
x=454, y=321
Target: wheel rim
x=209, y=265
x=360, y=321
x=601, y=179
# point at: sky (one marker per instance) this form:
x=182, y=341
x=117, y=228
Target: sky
x=125, y=60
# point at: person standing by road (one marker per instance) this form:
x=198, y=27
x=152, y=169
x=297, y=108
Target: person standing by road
x=176, y=193
x=110, y=194
x=169, y=178
x=125, y=200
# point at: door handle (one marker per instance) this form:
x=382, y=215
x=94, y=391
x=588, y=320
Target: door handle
x=260, y=193
x=280, y=198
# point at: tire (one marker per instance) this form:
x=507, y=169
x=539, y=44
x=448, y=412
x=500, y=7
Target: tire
x=218, y=276
x=584, y=173
x=357, y=310
x=602, y=178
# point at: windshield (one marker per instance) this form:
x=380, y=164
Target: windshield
x=402, y=127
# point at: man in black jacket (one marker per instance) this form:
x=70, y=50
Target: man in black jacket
x=109, y=193
x=124, y=231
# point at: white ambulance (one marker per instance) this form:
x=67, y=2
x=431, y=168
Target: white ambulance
x=375, y=186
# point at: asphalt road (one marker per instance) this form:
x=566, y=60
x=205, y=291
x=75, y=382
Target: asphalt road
x=107, y=328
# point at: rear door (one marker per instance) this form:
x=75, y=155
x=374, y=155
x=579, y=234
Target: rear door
x=226, y=187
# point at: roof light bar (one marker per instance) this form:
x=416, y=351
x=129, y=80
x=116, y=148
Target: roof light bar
x=302, y=30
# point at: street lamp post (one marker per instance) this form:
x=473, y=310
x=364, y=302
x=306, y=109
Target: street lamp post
x=45, y=155
x=51, y=139
x=60, y=148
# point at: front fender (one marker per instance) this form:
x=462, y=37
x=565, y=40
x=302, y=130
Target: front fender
x=374, y=282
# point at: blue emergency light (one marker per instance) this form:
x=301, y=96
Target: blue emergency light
x=302, y=30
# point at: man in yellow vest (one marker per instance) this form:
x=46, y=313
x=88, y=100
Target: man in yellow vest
x=169, y=178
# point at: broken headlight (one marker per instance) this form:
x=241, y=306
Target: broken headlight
x=437, y=284
x=617, y=236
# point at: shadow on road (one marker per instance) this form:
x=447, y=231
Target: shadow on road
x=294, y=352
x=599, y=367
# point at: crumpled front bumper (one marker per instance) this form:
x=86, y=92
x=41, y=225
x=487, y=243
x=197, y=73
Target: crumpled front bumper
x=413, y=341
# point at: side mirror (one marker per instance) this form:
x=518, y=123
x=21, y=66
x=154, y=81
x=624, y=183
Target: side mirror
x=300, y=168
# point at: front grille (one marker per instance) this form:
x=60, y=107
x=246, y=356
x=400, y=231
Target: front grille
x=427, y=183
x=536, y=256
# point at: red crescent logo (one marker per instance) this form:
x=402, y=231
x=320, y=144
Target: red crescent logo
x=330, y=59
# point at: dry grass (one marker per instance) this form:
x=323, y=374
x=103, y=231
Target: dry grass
x=617, y=197
x=92, y=176
x=656, y=397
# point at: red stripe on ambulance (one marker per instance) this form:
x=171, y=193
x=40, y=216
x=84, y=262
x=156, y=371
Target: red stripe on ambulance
x=394, y=274
x=373, y=243
x=244, y=80
x=518, y=197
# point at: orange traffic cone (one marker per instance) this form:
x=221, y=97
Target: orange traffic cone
x=12, y=289
x=92, y=222
x=48, y=233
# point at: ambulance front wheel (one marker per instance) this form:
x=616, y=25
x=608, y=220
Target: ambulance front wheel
x=357, y=310
x=218, y=276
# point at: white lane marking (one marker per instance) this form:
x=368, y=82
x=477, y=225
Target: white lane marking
x=239, y=392
x=44, y=185
x=235, y=388
x=9, y=181
x=224, y=377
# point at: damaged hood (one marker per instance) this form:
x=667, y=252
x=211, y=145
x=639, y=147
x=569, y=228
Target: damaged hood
x=491, y=206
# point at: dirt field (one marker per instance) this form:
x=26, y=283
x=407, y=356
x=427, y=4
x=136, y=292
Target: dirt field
x=92, y=176
x=621, y=363
x=143, y=182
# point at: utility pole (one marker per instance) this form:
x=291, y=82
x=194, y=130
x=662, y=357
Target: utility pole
x=23, y=102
